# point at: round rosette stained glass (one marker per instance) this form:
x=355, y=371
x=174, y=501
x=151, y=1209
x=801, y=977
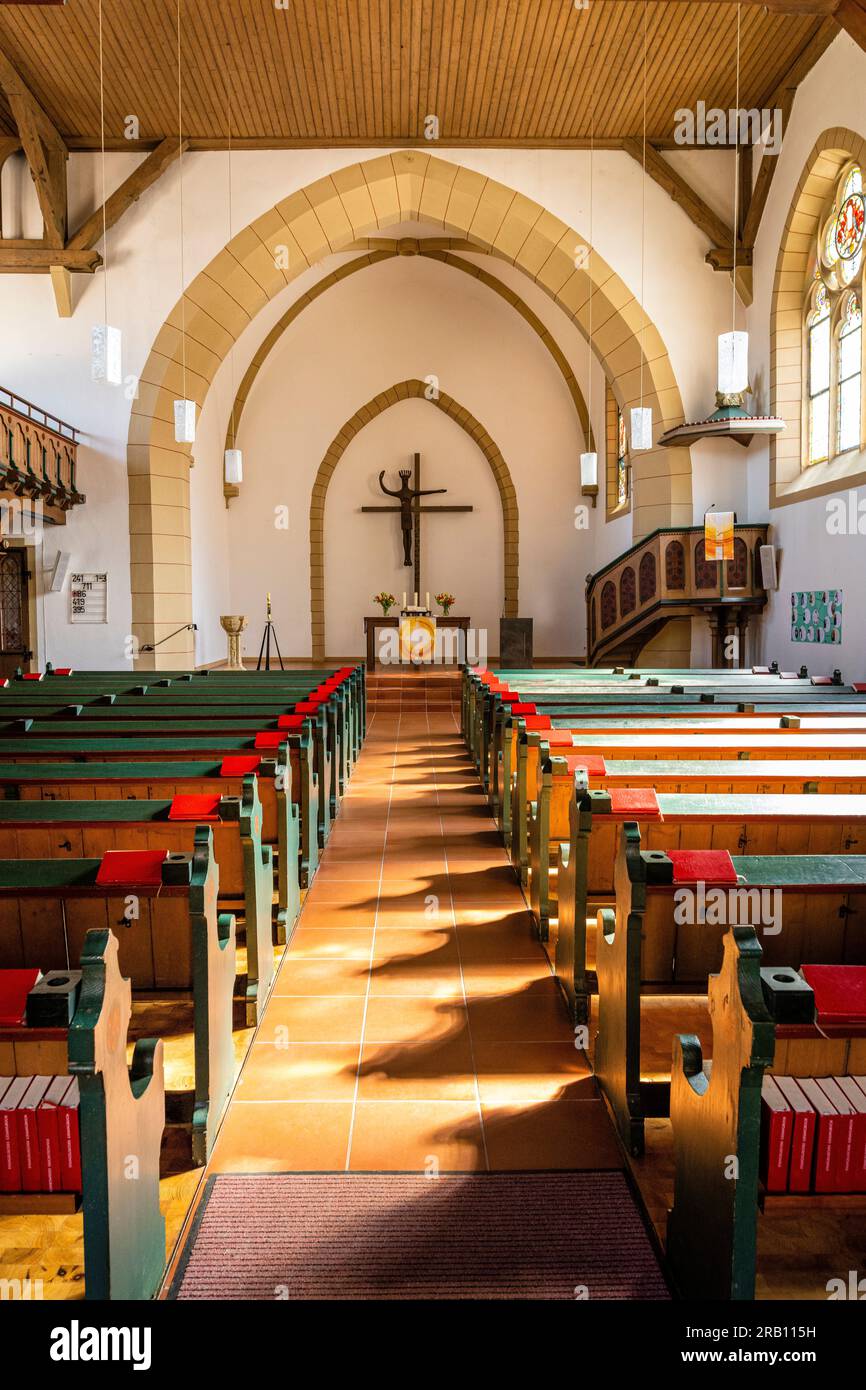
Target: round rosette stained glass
x=850, y=223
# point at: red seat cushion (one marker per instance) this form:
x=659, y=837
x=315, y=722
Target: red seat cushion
x=197, y=806
x=63, y=670
x=131, y=868
x=520, y=708
x=860, y=687
x=702, y=866
x=33, y=675
x=592, y=763
x=538, y=721
x=840, y=992
x=271, y=738
x=635, y=801
x=287, y=721
x=760, y=670
x=303, y=707
x=822, y=680
x=239, y=764
x=560, y=738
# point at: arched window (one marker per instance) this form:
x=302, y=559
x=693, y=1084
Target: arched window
x=647, y=577
x=834, y=314
x=850, y=360
x=621, y=461
x=608, y=604
x=675, y=565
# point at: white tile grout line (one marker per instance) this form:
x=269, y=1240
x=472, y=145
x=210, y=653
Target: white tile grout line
x=456, y=929
x=373, y=942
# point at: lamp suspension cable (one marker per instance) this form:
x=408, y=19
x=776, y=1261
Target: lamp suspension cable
x=180, y=180
x=102, y=168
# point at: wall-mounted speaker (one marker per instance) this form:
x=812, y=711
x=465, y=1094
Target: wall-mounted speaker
x=58, y=572
x=769, y=567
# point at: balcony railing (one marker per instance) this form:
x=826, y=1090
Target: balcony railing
x=37, y=457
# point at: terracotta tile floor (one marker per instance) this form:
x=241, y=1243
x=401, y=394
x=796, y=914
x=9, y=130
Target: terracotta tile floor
x=414, y=1021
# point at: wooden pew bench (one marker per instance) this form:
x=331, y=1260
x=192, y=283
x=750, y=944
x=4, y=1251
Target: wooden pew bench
x=89, y=781
x=545, y=773
x=741, y=823
x=715, y=1113
x=285, y=747
x=87, y=829
x=171, y=937
x=805, y=909
x=505, y=752
x=121, y=1112
x=259, y=733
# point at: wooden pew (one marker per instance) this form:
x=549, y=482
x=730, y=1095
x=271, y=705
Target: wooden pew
x=121, y=1112
x=218, y=748
x=87, y=829
x=648, y=940
x=163, y=781
x=545, y=775
x=743, y=824
x=327, y=757
x=715, y=1113
x=558, y=732
x=170, y=937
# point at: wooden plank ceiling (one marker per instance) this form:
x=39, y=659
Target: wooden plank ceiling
x=369, y=71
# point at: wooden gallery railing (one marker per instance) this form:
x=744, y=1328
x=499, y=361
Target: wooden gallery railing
x=665, y=576
x=37, y=459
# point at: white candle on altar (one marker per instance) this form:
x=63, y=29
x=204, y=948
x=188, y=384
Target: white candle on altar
x=404, y=598
x=416, y=599
x=427, y=601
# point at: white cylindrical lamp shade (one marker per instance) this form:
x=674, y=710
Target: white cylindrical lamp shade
x=184, y=422
x=589, y=470
x=733, y=363
x=105, y=354
x=642, y=427
x=234, y=467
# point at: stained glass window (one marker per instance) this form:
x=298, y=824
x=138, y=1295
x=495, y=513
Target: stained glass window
x=833, y=323
x=850, y=358
x=621, y=461
x=819, y=377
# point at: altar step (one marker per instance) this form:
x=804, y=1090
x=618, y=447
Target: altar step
x=413, y=689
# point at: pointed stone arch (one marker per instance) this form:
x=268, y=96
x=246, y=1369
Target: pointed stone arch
x=376, y=251
x=312, y=223
x=404, y=391
x=790, y=481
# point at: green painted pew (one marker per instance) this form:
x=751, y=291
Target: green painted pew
x=165, y=749
x=171, y=937
x=326, y=744
x=152, y=781
x=87, y=829
x=742, y=823
x=805, y=908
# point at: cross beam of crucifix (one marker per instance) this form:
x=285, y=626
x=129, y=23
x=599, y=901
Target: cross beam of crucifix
x=410, y=510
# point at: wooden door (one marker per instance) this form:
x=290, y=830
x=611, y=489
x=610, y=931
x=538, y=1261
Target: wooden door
x=14, y=612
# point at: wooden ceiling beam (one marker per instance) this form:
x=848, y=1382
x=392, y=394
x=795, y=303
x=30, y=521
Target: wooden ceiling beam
x=44, y=148
x=714, y=228
x=851, y=14
x=782, y=99
x=18, y=260
x=147, y=173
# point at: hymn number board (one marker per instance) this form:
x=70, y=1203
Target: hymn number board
x=88, y=598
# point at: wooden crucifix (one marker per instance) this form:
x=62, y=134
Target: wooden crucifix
x=410, y=510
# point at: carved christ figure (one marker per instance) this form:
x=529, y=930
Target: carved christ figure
x=406, y=496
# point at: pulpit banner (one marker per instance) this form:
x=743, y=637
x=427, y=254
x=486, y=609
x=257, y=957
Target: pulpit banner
x=719, y=535
x=417, y=639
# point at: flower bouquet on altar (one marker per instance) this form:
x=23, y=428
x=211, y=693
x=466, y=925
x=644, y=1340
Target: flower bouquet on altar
x=386, y=601
x=446, y=602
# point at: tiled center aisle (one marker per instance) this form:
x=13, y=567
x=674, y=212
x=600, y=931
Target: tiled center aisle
x=414, y=1023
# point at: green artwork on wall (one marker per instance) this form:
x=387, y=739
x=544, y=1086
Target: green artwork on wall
x=816, y=616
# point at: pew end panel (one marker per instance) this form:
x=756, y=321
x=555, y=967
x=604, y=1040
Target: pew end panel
x=258, y=901
x=122, y=1116
x=716, y=1124
x=213, y=962
x=618, y=950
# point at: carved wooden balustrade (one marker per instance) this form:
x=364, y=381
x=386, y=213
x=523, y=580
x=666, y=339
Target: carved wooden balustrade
x=37, y=459
x=665, y=576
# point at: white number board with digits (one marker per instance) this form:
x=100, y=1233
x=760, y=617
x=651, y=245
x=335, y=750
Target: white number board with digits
x=88, y=598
